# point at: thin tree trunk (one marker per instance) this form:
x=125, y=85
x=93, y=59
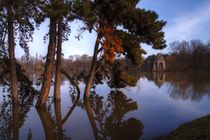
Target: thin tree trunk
x=13, y=73
x=57, y=96
x=92, y=69
x=48, y=72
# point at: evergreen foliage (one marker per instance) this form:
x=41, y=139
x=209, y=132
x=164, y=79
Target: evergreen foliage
x=24, y=16
x=139, y=25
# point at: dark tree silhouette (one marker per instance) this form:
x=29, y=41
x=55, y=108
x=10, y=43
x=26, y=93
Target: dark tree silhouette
x=12, y=116
x=17, y=20
x=107, y=117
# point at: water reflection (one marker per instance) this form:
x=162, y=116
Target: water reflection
x=159, y=78
x=183, y=86
x=110, y=116
x=192, y=87
x=53, y=128
x=107, y=117
x=47, y=123
x=12, y=116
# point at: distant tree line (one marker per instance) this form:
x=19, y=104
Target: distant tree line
x=191, y=56
x=73, y=64
x=121, y=74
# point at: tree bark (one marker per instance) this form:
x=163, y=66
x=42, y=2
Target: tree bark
x=92, y=69
x=48, y=72
x=13, y=73
x=57, y=96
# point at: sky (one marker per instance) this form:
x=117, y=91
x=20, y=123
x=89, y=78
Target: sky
x=186, y=20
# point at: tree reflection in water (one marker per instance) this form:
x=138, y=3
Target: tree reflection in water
x=12, y=116
x=193, y=86
x=54, y=128
x=107, y=117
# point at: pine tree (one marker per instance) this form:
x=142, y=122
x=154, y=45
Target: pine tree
x=55, y=10
x=17, y=21
x=105, y=17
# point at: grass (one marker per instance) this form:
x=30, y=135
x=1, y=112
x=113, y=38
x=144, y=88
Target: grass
x=198, y=129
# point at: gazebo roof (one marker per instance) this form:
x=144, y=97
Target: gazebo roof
x=159, y=57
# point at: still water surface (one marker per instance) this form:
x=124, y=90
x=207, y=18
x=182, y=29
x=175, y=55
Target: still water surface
x=158, y=104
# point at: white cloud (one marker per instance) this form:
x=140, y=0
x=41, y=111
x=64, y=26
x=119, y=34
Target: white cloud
x=190, y=25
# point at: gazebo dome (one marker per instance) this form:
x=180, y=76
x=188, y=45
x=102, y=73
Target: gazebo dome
x=159, y=57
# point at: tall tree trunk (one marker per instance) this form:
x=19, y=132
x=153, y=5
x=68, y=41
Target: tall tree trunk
x=92, y=69
x=13, y=73
x=48, y=72
x=57, y=96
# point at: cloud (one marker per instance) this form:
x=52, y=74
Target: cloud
x=189, y=25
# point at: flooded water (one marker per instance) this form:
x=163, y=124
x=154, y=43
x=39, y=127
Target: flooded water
x=158, y=104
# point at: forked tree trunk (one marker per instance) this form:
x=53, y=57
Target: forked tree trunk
x=48, y=72
x=57, y=96
x=13, y=73
x=92, y=69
